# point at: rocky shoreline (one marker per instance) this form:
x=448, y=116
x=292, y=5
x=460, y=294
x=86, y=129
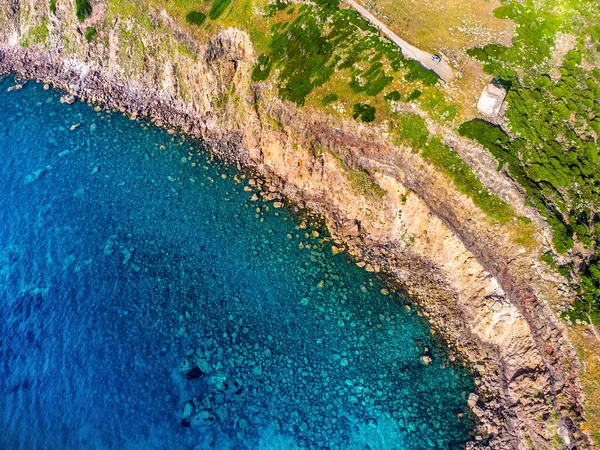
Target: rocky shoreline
x=489, y=315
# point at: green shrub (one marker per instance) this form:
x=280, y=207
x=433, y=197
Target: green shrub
x=328, y=4
x=548, y=258
x=411, y=129
x=503, y=12
x=393, y=96
x=445, y=159
x=195, y=18
x=90, y=34
x=587, y=306
x=365, y=112
x=305, y=54
x=217, y=8
x=329, y=98
x=374, y=80
x=53, y=6
x=83, y=9
x=413, y=95
x=417, y=72
x=262, y=69
x=275, y=6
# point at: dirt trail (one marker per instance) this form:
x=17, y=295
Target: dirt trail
x=442, y=68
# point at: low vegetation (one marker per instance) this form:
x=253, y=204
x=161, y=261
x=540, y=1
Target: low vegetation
x=411, y=129
x=318, y=55
x=551, y=147
x=414, y=95
x=393, y=96
x=329, y=98
x=195, y=18
x=317, y=40
x=217, y=8
x=448, y=28
x=588, y=349
x=83, y=9
x=37, y=35
x=363, y=183
x=90, y=34
x=365, y=112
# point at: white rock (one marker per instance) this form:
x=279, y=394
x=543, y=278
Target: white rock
x=491, y=100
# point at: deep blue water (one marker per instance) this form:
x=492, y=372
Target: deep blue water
x=129, y=262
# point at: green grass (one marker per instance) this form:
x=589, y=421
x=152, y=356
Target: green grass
x=217, y=8
x=53, y=6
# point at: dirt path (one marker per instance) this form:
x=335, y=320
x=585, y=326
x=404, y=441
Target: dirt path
x=442, y=68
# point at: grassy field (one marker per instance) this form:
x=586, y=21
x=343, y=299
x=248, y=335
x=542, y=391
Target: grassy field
x=448, y=27
x=443, y=25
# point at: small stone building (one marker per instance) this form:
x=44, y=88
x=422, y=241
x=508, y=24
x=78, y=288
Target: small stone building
x=491, y=99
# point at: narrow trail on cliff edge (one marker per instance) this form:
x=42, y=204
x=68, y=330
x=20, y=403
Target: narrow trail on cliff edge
x=441, y=68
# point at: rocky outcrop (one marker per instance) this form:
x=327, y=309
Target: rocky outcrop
x=488, y=297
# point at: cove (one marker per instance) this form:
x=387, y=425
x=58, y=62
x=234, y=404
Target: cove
x=148, y=301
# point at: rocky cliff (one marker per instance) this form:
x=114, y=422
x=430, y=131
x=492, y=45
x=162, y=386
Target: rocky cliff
x=487, y=295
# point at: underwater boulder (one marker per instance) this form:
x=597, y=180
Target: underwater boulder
x=188, y=410
x=194, y=373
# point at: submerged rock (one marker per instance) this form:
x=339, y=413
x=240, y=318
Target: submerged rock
x=188, y=410
x=36, y=175
x=194, y=373
x=109, y=247
x=203, y=417
x=68, y=99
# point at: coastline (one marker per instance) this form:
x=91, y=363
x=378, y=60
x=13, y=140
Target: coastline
x=417, y=271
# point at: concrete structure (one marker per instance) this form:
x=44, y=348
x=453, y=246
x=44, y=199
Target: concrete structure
x=491, y=100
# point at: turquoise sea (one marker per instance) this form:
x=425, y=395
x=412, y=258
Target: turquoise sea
x=146, y=302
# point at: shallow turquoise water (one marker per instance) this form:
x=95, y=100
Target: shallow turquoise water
x=129, y=263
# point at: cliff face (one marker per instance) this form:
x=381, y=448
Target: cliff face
x=489, y=297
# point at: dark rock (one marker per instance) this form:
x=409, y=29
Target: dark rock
x=194, y=373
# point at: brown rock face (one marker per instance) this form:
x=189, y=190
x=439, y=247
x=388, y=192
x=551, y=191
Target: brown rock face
x=489, y=299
